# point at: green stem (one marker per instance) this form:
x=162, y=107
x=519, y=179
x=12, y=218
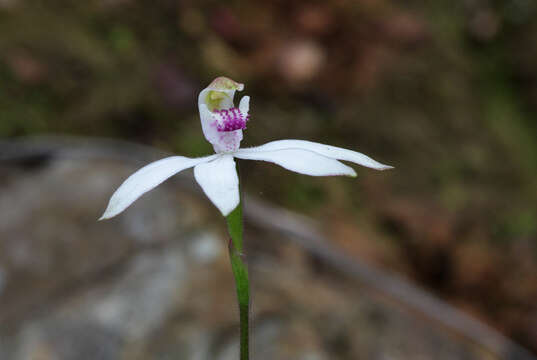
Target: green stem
x=240, y=272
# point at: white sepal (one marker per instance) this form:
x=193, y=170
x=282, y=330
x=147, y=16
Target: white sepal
x=146, y=179
x=300, y=161
x=220, y=182
x=329, y=151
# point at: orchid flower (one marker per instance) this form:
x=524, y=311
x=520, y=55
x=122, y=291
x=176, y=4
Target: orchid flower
x=223, y=124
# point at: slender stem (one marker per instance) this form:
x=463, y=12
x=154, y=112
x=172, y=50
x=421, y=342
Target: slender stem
x=240, y=272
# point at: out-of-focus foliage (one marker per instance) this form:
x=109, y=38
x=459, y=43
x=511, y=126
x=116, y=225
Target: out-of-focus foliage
x=445, y=91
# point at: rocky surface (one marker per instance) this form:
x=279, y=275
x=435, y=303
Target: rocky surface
x=155, y=282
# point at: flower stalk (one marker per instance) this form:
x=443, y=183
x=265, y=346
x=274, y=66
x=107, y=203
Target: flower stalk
x=240, y=272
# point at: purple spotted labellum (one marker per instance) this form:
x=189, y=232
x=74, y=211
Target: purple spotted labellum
x=230, y=119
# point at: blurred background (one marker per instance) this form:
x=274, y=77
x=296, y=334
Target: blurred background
x=444, y=91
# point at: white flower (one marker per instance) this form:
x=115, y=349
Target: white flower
x=222, y=125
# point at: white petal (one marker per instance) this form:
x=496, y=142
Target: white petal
x=332, y=152
x=301, y=161
x=244, y=105
x=146, y=179
x=219, y=181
